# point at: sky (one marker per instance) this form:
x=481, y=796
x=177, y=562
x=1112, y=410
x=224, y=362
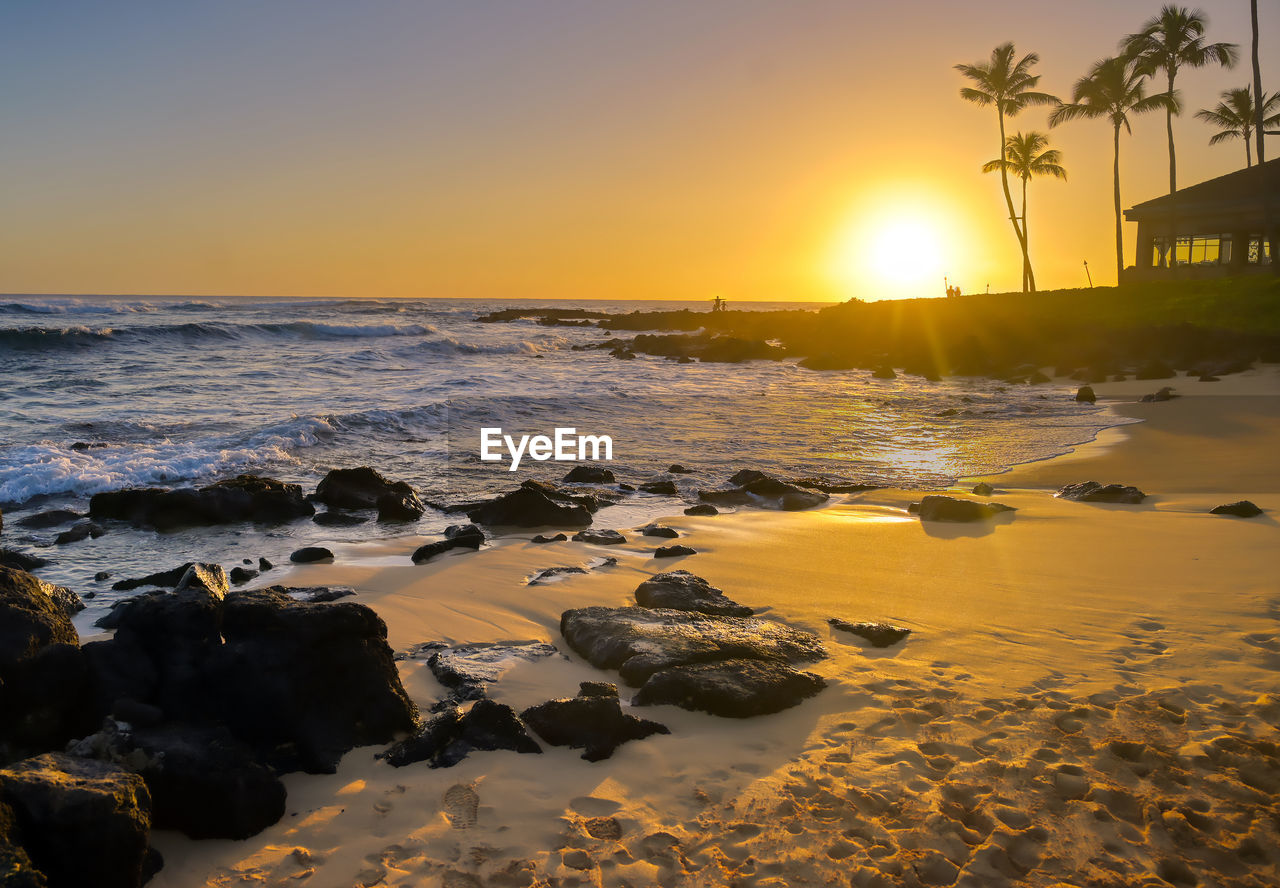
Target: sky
x=811, y=151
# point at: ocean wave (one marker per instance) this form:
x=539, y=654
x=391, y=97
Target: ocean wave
x=76, y=307
x=34, y=470
x=81, y=335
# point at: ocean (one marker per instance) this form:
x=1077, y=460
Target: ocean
x=102, y=393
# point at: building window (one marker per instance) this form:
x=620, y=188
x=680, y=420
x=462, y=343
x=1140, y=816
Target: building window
x=1198, y=249
x=1259, y=251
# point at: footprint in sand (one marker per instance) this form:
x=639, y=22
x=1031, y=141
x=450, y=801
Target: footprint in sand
x=461, y=804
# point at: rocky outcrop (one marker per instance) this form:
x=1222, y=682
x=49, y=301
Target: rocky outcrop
x=203, y=782
x=209, y=578
x=16, y=560
x=593, y=721
x=243, y=498
x=449, y=737
x=639, y=641
x=165, y=578
x=659, y=530
x=704, y=509
x=82, y=822
x=937, y=507
x=590, y=475
x=456, y=536
x=310, y=555
x=880, y=635
x=532, y=506
x=558, y=538
x=730, y=688
x=677, y=551
x=1240, y=509
x=366, y=488
x=662, y=486
x=1093, y=492
x=750, y=487
x=599, y=537
x=681, y=590
x=47, y=519
x=1085, y=395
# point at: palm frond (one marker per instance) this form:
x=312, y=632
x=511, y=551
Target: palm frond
x=1225, y=135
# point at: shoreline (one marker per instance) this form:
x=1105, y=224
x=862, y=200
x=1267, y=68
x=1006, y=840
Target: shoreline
x=1040, y=642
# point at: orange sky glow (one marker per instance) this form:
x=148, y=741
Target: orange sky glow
x=560, y=149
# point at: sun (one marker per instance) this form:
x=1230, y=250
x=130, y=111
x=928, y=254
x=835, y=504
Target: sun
x=893, y=252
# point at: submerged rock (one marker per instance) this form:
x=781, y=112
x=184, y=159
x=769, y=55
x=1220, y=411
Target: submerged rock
x=47, y=519
x=558, y=538
x=750, y=487
x=333, y=518
x=366, y=488
x=662, y=486
x=640, y=641
x=465, y=669
x=241, y=575
x=702, y=509
x=982, y=488
x=551, y=574
x=599, y=537
x=1093, y=492
x=681, y=590
x=82, y=531
x=449, y=737
x=83, y=822
x=880, y=635
x=730, y=688
x=1241, y=509
x=165, y=578
x=16, y=560
x=937, y=507
x=592, y=721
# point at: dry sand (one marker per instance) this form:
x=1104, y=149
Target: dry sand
x=1089, y=695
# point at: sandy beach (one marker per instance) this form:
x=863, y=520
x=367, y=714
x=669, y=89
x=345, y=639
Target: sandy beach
x=1088, y=696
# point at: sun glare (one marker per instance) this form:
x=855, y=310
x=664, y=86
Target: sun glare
x=893, y=252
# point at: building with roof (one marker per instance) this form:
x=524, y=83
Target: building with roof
x=1213, y=229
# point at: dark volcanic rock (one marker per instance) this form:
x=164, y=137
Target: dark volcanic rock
x=242, y=575
x=1241, y=509
x=677, y=469
x=303, y=683
x=590, y=475
x=640, y=641
x=663, y=486
x=426, y=552
x=243, y=498
x=264, y=564
x=466, y=669
x=30, y=620
x=597, y=689
x=702, y=509
x=884, y=371
x=83, y=822
x=982, y=488
x=750, y=487
x=51, y=518
x=530, y=507
x=880, y=635
x=558, y=538
x=16, y=560
x=1165, y=394
x=600, y=537
x=1085, y=395
x=166, y=578
x=658, y=530
x=366, y=488
x=309, y=554
x=1093, y=492
x=448, y=738
x=936, y=507
x=82, y=531
x=314, y=594
x=209, y=578
x=677, y=551
x=166, y=643
x=68, y=601
x=203, y=782
x=591, y=722
x=681, y=590
x=730, y=688
x=542, y=577
x=16, y=868
x=467, y=535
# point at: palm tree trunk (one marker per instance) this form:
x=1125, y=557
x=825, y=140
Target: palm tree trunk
x=1026, y=236
x=1257, y=87
x=1008, y=199
x=1248, y=153
x=1168, y=123
x=1119, y=230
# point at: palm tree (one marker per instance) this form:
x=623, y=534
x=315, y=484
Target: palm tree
x=1010, y=87
x=1235, y=116
x=1172, y=39
x=1027, y=155
x=1259, y=126
x=1114, y=88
